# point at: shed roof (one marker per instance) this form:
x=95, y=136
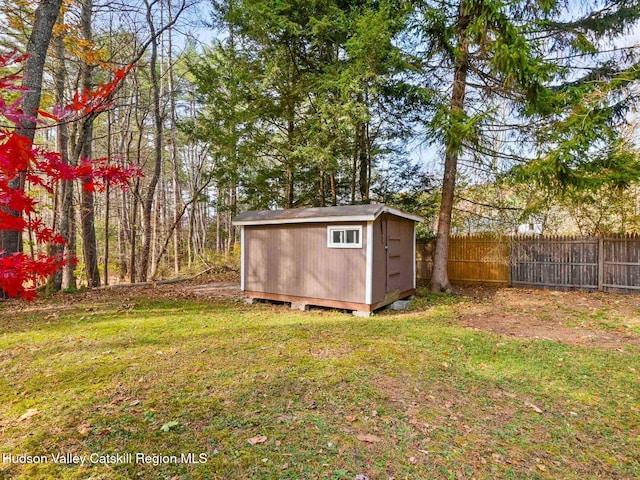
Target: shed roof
x=347, y=213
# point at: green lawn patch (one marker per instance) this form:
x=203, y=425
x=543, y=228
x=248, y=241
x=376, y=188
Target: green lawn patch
x=259, y=391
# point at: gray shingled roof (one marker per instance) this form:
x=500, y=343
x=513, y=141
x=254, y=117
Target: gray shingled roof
x=319, y=214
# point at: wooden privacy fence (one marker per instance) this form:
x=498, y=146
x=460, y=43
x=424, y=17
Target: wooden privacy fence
x=620, y=264
x=591, y=263
x=555, y=262
x=473, y=259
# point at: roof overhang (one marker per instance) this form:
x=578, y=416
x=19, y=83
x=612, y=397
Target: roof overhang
x=331, y=218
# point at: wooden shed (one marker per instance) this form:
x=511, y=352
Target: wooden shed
x=358, y=257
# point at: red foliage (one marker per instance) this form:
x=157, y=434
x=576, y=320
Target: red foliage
x=20, y=273
x=87, y=102
x=18, y=270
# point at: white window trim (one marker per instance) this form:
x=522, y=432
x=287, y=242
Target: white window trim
x=333, y=228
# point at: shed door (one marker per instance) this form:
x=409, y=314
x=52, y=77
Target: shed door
x=394, y=250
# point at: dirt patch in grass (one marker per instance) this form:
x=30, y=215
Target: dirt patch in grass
x=603, y=320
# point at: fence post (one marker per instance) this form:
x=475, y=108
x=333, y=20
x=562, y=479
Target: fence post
x=600, y=263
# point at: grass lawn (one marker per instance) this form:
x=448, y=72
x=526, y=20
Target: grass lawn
x=266, y=392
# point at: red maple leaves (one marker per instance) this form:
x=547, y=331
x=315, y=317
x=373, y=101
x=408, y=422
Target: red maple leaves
x=22, y=161
x=88, y=102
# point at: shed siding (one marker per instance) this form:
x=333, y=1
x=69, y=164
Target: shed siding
x=379, y=259
x=392, y=267
x=294, y=259
x=405, y=279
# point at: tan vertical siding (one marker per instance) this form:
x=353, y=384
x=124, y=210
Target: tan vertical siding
x=379, y=259
x=293, y=259
x=392, y=268
x=394, y=254
x=405, y=260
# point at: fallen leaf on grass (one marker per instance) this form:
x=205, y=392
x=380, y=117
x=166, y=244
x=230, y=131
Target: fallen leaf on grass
x=350, y=418
x=32, y=412
x=532, y=406
x=257, y=439
x=367, y=437
x=84, y=429
x=118, y=399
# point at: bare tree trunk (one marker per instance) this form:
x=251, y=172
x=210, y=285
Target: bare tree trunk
x=107, y=205
x=192, y=217
x=368, y=143
x=155, y=176
x=124, y=233
x=202, y=225
x=354, y=169
x=87, y=208
x=65, y=206
x=334, y=190
x=89, y=241
x=322, y=189
x=45, y=17
x=289, y=192
x=134, y=221
x=440, y=279
x=107, y=200
x=122, y=239
x=133, y=261
x=363, y=163
x=177, y=198
x=69, y=281
x=147, y=203
x=156, y=223
x=218, y=217
x=231, y=239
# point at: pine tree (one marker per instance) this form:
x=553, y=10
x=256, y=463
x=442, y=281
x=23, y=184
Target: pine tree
x=485, y=57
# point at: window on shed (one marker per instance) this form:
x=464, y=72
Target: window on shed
x=344, y=236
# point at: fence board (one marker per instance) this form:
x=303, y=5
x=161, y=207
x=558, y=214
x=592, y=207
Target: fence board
x=621, y=263
x=555, y=262
x=475, y=260
x=424, y=261
x=592, y=263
